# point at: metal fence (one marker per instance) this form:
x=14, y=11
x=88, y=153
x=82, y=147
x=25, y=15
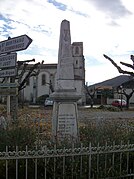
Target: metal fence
x=76, y=162
x=115, y=161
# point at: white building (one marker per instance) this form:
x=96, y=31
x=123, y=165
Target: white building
x=40, y=85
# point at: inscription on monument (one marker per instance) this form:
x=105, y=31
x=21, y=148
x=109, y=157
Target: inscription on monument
x=66, y=122
x=67, y=125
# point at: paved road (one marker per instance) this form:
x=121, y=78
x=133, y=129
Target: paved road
x=89, y=114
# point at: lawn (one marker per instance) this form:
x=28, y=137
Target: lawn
x=37, y=121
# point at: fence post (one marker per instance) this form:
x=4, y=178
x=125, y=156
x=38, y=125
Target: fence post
x=72, y=160
x=45, y=163
x=54, y=174
x=16, y=163
x=64, y=163
x=26, y=161
x=6, y=163
x=81, y=162
x=128, y=159
x=36, y=166
x=90, y=153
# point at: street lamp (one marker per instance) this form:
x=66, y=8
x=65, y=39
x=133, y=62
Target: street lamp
x=121, y=87
x=34, y=89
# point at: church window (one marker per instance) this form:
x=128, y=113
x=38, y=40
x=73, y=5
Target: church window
x=43, y=79
x=77, y=50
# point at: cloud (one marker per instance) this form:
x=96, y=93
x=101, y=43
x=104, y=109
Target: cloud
x=58, y=5
x=104, y=26
x=112, y=8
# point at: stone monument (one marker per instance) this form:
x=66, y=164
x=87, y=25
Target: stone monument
x=64, y=122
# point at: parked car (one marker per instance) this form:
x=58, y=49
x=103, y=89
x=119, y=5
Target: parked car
x=48, y=102
x=119, y=102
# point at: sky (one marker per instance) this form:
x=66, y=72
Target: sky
x=104, y=27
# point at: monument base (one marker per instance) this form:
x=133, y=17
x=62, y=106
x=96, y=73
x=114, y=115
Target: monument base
x=65, y=124
x=65, y=115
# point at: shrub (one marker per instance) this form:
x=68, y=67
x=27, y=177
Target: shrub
x=109, y=108
x=104, y=131
x=17, y=133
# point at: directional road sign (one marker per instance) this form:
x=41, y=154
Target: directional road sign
x=7, y=73
x=11, y=85
x=8, y=60
x=15, y=44
x=8, y=91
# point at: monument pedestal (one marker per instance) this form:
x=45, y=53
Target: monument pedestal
x=65, y=114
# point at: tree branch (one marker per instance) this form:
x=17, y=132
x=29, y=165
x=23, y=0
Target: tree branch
x=128, y=65
x=28, y=75
x=118, y=67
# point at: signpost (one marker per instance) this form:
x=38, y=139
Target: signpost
x=7, y=62
x=15, y=44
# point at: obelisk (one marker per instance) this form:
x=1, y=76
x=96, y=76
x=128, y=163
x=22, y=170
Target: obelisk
x=65, y=118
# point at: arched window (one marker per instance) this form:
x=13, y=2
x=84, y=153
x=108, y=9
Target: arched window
x=43, y=79
x=77, y=50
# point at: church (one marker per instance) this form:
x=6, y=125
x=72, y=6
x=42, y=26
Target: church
x=44, y=82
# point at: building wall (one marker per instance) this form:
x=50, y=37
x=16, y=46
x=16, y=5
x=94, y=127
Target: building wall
x=43, y=88
x=79, y=70
x=35, y=88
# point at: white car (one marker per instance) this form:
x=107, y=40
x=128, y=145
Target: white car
x=48, y=102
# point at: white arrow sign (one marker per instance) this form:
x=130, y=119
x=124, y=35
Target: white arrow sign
x=15, y=44
x=8, y=60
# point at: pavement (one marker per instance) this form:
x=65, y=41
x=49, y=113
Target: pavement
x=86, y=113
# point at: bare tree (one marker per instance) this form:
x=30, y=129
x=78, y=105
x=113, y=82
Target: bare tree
x=30, y=70
x=128, y=96
x=24, y=72
x=91, y=93
x=120, y=70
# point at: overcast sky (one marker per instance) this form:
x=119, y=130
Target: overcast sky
x=104, y=27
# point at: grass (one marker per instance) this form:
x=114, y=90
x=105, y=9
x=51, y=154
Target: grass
x=95, y=130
